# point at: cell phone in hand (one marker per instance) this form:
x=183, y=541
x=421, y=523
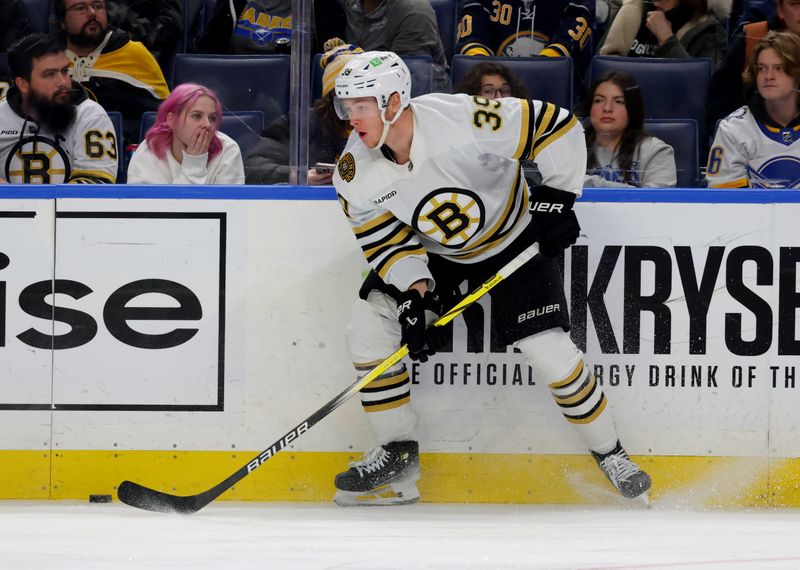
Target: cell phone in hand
x=324, y=167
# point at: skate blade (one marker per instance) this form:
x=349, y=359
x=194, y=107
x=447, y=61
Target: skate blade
x=380, y=496
x=643, y=500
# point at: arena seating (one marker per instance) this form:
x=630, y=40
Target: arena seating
x=682, y=135
x=243, y=126
x=39, y=14
x=446, y=14
x=547, y=78
x=671, y=88
x=242, y=82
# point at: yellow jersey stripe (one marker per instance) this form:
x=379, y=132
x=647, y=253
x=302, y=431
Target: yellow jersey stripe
x=571, y=378
x=386, y=265
x=524, y=132
x=544, y=121
x=475, y=48
x=740, y=183
x=591, y=416
x=388, y=406
x=373, y=223
x=581, y=396
x=540, y=145
x=133, y=64
x=400, y=235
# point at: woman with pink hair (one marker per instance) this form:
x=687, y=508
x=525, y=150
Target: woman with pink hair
x=184, y=146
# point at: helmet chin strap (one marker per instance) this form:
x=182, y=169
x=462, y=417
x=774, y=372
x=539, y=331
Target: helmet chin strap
x=386, y=125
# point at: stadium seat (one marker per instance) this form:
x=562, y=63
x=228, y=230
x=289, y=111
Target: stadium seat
x=420, y=66
x=672, y=88
x=39, y=13
x=244, y=127
x=208, y=11
x=116, y=120
x=683, y=136
x=446, y=21
x=547, y=78
x=242, y=82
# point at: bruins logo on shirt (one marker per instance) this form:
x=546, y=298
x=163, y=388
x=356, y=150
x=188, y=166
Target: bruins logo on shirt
x=37, y=160
x=450, y=216
x=347, y=167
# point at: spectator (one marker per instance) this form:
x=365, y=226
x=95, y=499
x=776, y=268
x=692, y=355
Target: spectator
x=759, y=145
x=620, y=152
x=727, y=91
x=158, y=24
x=16, y=25
x=491, y=80
x=50, y=131
x=525, y=28
x=248, y=26
x=406, y=27
x=118, y=73
x=671, y=29
x=184, y=146
x=268, y=163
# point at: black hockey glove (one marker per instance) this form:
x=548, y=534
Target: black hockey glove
x=555, y=223
x=411, y=308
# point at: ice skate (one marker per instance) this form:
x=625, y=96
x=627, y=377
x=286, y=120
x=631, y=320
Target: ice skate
x=385, y=475
x=624, y=474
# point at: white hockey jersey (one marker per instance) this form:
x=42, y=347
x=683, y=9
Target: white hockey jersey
x=751, y=151
x=462, y=194
x=85, y=154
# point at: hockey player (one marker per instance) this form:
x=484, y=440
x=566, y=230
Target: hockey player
x=524, y=28
x=50, y=131
x=758, y=145
x=433, y=191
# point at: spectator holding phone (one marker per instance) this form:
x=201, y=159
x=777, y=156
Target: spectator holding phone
x=184, y=146
x=268, y=163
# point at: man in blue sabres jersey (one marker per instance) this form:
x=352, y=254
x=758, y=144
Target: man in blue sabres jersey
x=758, y=145
x=525, y=28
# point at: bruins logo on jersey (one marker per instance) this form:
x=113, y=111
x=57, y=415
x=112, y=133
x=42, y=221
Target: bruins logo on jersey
x=347, y=167
x=450, y=216
x=37, y=160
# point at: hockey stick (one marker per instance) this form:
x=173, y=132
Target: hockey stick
x=142, y=497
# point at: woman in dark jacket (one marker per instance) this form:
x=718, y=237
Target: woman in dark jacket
x=669, y=29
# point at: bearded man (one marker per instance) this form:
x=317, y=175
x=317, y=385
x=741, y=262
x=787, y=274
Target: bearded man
x=118, y=72
x=50, y=131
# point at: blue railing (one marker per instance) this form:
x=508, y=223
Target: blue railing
x=175, y=192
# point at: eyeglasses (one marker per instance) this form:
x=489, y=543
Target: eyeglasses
x=488, y=91
x=80, y=9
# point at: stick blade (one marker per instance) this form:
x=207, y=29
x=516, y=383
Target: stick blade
x=148, y=499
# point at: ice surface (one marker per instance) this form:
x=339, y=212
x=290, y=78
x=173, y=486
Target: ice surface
x=71, y=535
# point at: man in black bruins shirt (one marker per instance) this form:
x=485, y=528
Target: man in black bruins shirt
x=118, y=73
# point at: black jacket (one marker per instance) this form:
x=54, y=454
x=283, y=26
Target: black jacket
x=158, y=24
x=15, y=22
x=268, y=162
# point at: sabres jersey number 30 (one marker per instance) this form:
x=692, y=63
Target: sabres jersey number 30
x=462, y=194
